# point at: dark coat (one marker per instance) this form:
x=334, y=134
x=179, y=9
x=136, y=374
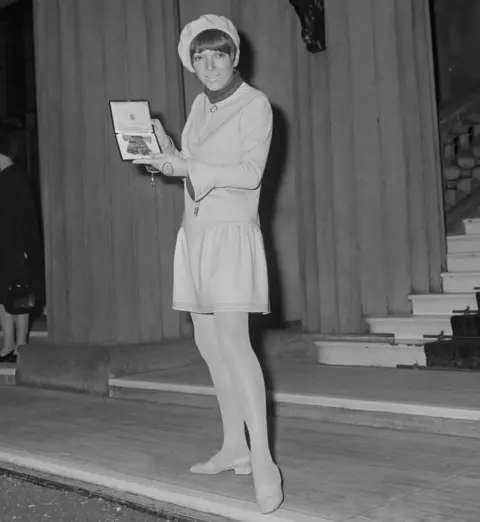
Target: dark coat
x=20, y=231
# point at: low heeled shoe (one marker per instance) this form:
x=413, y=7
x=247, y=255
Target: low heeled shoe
x=239, y=467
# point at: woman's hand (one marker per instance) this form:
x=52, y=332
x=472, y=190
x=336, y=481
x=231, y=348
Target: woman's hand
x=164, y=140
x=168, y=164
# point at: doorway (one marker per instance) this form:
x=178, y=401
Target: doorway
x=18, y=107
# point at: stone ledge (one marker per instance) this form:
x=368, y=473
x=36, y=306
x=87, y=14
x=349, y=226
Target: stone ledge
x=87, y=368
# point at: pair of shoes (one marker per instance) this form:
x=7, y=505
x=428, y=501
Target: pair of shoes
x=239, y=467
x=10, y=358
x=269, y=496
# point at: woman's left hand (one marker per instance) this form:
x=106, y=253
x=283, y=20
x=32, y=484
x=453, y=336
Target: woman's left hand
x=167, y=164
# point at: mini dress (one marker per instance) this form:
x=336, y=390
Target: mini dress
x=219, y=261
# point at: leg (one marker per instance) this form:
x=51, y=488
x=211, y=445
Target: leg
x=8, y=329
x=21, y=325
x=233, y=336
x=234, y=441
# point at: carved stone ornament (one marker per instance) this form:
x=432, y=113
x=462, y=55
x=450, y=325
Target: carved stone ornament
x=312, y=17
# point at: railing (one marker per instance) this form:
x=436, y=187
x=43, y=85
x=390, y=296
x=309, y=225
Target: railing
x=460, y=142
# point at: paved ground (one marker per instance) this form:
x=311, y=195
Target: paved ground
x=28, y=501
x=332, y=472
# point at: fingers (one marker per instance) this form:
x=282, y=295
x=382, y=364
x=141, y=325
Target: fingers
x=141, y=162
x=158, y=128
x=152, y=157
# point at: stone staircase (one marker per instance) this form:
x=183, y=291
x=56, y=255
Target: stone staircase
x=431, y=312
x=399, y=341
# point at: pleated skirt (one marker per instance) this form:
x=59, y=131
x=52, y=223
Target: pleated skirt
x=220, y=267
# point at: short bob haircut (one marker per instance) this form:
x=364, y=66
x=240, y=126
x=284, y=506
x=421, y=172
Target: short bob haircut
x=213, y=40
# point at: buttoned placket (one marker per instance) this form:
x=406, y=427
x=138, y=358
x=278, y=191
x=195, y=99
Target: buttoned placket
x=213, y=109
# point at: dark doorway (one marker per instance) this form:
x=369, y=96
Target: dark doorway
x=18, y=107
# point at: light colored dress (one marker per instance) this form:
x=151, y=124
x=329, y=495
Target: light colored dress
x=219, y=263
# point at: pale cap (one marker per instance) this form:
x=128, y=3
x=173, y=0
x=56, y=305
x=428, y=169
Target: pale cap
x=196, y=27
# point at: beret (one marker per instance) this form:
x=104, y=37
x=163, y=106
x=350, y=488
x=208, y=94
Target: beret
x=196, y=27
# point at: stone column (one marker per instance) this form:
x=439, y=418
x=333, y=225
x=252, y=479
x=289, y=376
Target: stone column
x=109, y=235
x=371, y=222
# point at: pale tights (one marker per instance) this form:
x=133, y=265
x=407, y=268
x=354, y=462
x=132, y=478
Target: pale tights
x=15, y=330
x=224, y=342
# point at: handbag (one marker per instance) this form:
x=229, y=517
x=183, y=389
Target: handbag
x=20, y=298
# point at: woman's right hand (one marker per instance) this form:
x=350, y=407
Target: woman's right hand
x=164, y=140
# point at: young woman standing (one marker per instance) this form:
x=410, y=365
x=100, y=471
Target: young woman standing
x=220, y=272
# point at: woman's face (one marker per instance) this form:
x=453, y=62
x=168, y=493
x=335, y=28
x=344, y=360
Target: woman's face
x=213, y=68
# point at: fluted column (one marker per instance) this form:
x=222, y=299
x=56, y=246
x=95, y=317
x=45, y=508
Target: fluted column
x=109, y=235
x=371, y=160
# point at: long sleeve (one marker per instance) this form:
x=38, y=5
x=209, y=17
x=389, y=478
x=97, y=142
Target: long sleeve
x=255, y=134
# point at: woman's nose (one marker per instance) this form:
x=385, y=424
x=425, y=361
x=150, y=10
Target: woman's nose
x=210, y=63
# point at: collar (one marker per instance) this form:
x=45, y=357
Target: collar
x=225, y=92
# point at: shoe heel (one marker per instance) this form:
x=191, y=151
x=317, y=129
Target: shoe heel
x=243, y=470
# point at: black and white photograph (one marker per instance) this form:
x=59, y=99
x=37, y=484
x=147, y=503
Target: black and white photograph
x=239, y=261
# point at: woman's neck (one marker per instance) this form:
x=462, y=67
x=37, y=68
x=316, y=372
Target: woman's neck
x=225, y=92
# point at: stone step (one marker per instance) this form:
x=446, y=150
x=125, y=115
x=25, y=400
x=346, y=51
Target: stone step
x=370, y=353
x=442, y=304
x=472, y=226
x=469, y=262
x=460, y=282
x=341, y=409
x=33, y=333
x=463, y=244
x=410, y=328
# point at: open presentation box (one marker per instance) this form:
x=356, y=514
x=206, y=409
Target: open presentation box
x=134, y=133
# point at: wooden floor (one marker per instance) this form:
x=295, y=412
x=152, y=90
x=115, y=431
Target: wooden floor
x=335, y=472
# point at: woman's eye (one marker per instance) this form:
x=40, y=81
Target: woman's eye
x=198, y=58
x=220, y=55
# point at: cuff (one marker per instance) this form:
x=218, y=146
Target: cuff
x=199, y=180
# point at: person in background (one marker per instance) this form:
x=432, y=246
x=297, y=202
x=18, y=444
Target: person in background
x=220, y=272
x=19, y=239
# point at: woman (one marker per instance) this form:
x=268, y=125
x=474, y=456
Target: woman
x=19, y=237
x=220, y=273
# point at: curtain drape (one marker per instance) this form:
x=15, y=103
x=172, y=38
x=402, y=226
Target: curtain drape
x=109, y=234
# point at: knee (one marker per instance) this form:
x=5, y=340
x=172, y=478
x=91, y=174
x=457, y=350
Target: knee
x=205, y=339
